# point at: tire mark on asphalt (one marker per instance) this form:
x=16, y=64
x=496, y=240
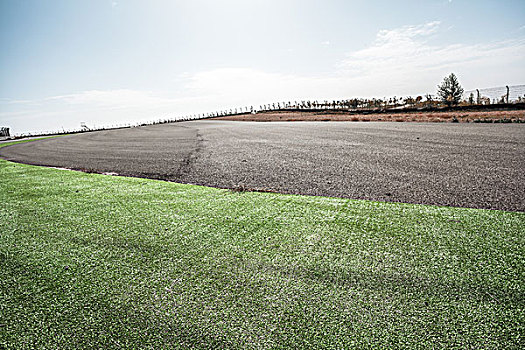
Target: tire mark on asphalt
x=189, y=160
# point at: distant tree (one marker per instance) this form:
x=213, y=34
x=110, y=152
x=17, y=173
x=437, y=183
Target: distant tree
x=409, y=100
x=450, y=90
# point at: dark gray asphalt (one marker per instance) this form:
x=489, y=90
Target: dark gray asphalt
x=465, y=165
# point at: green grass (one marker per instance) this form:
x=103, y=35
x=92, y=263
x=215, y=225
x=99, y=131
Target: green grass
x=93, y=261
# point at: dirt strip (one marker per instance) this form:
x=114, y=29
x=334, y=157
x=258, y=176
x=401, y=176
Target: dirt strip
x=432, y=117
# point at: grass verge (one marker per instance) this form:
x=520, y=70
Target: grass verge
x=94, y=261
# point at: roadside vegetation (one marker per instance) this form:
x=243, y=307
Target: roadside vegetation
x=450, y=98
x=95, y=261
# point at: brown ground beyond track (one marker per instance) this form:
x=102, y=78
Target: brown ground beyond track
x=421, y=116
x=466, y=165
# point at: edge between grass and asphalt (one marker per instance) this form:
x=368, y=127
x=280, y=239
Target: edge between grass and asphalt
x=96, y=261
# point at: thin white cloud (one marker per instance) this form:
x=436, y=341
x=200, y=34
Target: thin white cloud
x=236, y=84
x=392, y=48
x=95, y=107
x=405, y=52
x=104, y=98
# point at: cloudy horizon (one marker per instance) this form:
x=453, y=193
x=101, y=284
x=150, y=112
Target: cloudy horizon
x=125, y=61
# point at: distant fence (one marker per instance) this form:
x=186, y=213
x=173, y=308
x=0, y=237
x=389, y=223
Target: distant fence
x=493, y=98
x=516, y=93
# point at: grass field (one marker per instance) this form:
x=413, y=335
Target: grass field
x=94, y=261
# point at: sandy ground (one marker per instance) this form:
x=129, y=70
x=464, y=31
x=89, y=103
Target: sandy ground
x=462, y=117
x=464, y=165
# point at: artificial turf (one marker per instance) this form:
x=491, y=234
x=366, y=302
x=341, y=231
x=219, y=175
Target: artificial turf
x=95, y=261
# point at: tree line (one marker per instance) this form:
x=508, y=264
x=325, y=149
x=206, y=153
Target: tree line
x=449, y=93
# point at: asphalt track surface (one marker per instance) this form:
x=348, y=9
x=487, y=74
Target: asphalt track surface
x=463, y=165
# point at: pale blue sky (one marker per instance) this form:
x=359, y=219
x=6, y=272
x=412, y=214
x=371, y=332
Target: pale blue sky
x=106, y=62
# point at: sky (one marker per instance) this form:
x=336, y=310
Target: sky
x=108, y=62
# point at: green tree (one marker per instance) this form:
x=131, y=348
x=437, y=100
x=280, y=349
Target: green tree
x=450, y=90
